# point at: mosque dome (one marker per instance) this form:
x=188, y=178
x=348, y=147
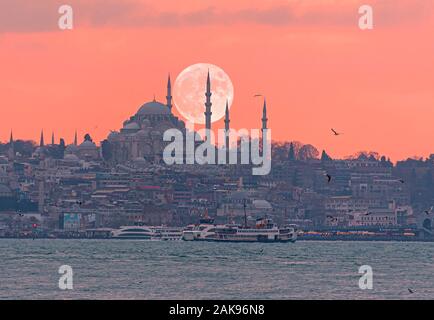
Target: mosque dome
x=153, y=107
x=132, y=126
x=87, y=144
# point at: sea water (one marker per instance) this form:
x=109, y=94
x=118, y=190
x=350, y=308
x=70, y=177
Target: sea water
x=134, y=269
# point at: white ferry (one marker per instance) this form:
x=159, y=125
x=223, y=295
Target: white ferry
x=204, y=229
x=264, y=231
x=147, y=233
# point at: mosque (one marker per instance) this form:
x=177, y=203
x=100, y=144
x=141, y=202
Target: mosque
x=141, y=137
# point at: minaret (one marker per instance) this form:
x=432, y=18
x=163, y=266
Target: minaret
x=169, y=94
x=52, y=138
x=41, y=141
x=75, y=138
x=11, y=150
x=227, y=121
x=208, y=105
x=264, y=116
x=264, y=121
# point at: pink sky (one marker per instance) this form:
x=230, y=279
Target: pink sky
x=316, y=67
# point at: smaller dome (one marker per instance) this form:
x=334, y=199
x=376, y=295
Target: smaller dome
x=139, y=160
x=87, y=144
x=142, y=133
x=132, y=126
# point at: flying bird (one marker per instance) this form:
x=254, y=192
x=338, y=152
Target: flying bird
x=409, y=290
x=368, y=214
x=335, y=132
x=402, y=181
x=329, y=178
x=257, y=95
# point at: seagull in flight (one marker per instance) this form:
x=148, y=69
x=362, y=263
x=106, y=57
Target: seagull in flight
x=257, y=95
x=409, y=290
x=402, y=181
x=329, y=178
x=335, y=132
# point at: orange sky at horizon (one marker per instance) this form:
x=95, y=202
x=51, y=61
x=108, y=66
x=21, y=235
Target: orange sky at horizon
x=317, y=69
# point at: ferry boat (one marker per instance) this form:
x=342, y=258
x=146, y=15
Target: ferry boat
x=167, y=233
x=264, y=231
x=147, y=233
x=205, y=228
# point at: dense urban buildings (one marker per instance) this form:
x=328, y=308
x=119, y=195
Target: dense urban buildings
x=87, y=187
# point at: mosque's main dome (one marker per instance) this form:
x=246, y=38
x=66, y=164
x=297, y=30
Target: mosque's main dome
x=153, y=107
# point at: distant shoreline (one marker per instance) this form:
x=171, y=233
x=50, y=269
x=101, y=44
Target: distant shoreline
x=329, y=239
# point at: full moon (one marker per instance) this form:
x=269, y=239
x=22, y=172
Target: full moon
x=189, y=92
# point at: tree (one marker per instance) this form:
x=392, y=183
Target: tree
x=308, y=152
x=364, y=155
x=291, y=153
x=24, y=147
x=106, y=149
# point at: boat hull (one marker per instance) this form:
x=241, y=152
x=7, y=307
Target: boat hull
x=247, y=241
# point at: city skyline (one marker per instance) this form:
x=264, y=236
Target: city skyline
x=317, y=74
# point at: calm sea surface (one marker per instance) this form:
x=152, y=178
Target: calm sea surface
x=111, y=269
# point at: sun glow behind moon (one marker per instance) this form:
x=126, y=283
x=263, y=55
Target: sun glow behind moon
x=189, y=92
